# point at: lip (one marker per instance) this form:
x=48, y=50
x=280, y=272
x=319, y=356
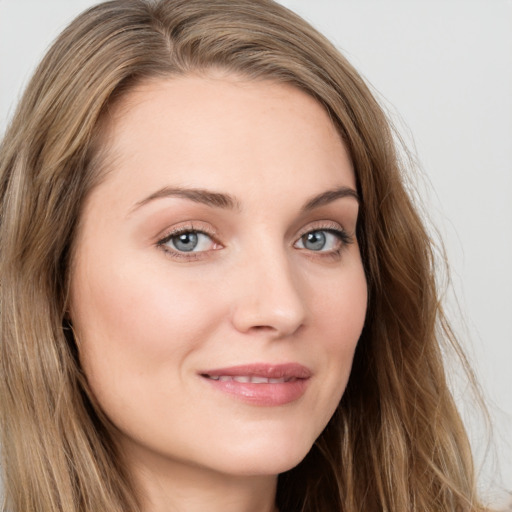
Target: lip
x=295, y=381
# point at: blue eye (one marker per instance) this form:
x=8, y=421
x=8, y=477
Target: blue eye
x=185, y=242
x=323, y=240
x=188, y=241
x=314, y=241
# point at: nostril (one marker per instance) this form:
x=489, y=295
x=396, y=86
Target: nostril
x=271, y=305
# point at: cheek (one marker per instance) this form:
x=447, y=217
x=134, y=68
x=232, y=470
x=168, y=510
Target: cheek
x=340, y=308
x=339, y=317
x=135, y=321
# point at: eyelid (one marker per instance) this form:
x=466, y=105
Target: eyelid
x=319, y=225
x=185, y=227
x=335, y=228
x=190, y=227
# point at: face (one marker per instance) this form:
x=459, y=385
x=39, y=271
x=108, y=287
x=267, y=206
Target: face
x=217, y=291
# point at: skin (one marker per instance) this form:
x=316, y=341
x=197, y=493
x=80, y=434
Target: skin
x=150, y=318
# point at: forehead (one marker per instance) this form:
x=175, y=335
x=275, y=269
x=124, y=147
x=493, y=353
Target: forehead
x=218, y=131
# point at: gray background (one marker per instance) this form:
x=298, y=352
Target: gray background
x=443, y=70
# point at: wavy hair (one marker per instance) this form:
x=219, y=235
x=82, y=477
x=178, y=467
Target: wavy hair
x=396, y=441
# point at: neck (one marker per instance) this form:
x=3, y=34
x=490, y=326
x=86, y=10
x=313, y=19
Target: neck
x=181, y=488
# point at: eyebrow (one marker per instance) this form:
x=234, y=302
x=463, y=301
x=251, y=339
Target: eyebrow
x=330, y=196
x=229, y=202
x=198, y=195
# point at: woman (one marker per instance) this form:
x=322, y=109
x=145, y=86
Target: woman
x=216, y=293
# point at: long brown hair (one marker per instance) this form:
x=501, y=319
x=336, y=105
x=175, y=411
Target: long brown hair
x=396, y=441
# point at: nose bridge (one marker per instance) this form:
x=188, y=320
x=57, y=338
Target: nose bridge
x=270, y=298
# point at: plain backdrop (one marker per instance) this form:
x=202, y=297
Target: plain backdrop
x=443, y=70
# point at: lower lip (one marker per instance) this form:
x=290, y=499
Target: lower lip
x=268, y=395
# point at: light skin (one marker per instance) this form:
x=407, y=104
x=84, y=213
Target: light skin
x=223, y=234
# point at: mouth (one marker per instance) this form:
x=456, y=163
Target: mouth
x=261, y=384
x=252, y=379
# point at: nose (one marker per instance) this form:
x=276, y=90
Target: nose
x=269, y=300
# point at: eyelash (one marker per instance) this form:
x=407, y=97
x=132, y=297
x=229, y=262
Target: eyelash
x=186, y=256
x=344, y=238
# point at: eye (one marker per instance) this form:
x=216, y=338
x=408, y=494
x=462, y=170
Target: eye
x=323, y=240
x=187, y=241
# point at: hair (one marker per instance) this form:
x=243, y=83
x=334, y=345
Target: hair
x=396, y=440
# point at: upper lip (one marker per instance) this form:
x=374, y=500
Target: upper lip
x=266, y=370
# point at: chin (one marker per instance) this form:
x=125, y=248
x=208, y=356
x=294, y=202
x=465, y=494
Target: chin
x=265, y=457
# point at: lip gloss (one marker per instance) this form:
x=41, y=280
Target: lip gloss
x=261, y=384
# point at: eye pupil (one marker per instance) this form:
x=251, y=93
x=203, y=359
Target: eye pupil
x=314, y=241
x=186, y=242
